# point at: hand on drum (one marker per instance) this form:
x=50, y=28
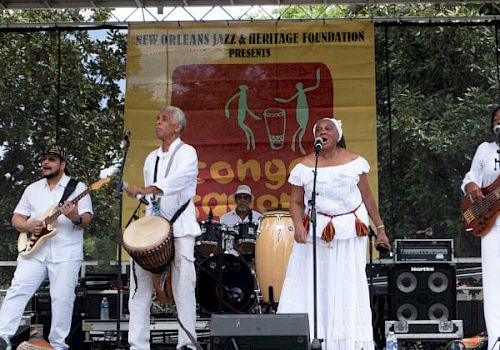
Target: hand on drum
x=300, y=234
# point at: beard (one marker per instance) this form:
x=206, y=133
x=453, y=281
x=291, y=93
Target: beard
x=53, y=174
x=242, y=208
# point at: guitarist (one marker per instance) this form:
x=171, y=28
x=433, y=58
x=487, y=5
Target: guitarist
x=483, y=172
x=58, y=258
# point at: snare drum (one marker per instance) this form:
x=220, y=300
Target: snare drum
x=246, y=234
x=272, y=251
x=211, y=238
x=150, y=242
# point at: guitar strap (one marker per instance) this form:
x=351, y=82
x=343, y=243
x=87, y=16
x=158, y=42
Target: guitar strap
x=70, y=188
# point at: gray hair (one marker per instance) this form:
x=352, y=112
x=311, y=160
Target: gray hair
x=179, y=115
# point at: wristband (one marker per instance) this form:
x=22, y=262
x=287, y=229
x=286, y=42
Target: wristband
x=77, y=222
x=380, y=226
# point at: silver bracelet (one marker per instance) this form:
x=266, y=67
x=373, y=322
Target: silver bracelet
x=380, y=226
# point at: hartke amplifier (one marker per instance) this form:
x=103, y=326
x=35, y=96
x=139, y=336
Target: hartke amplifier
x=422, y=292
x=259, y=332
x=423, y=250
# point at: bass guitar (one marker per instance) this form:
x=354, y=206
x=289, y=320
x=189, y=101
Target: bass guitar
x=478, y=217
x=28, y=243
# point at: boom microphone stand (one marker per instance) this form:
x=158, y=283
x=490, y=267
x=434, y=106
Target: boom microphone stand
x=315, y=343
x=119, y=282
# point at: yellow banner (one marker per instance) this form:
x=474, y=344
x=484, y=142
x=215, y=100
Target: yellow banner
x=251, y=93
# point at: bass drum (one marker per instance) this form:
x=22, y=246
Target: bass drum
x=226, y=284
x=272, y=251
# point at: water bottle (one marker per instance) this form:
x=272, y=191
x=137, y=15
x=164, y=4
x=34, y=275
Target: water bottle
x=104, y=309
x=391, y=342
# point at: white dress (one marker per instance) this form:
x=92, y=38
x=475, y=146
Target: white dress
x=483, y=172
x=344, y=314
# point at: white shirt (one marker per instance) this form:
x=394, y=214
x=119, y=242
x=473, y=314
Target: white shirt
x=67, y=244
x=337, y=193
x=178, y=187
x=482, y=170
x=232, y=218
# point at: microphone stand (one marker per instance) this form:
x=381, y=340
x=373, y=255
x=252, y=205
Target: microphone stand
x=119, y=282
x=315, y=343
x=497, y=160
x=370, y=251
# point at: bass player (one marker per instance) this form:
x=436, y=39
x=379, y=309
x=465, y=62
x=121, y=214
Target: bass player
x=483, y=172
x=58, y=258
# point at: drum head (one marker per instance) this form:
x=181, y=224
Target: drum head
x=146, y=233
x=225, y=284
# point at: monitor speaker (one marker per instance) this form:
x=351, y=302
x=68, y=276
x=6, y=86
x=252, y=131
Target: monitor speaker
x=421, y=291
x=263, y=331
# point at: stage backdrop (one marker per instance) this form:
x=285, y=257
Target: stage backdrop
x=252, y=93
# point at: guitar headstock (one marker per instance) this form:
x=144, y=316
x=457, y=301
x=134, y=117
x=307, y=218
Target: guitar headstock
x=97, y=185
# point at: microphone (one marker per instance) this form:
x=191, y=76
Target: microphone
x=138, y=196
x=318, y=144
x=126, y=136
x=126, y=140
x=496, y=130
x=10, y=176
x=210, y=215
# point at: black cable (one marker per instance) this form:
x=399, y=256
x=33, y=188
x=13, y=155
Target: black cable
x=497, y=58
x=493, y=347
x=58, y=83
x=389, y=114
x=231, y=341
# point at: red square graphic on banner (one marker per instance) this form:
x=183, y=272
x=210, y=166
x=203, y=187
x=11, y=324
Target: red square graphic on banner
x=249, y=123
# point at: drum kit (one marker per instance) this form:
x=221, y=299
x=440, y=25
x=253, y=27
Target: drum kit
x=243, y=268
x=240, y=269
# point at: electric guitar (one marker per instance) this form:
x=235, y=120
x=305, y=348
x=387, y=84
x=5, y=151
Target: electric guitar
x=478, y=217
x=27, y=243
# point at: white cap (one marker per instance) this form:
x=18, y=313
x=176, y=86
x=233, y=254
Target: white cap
x=243, y=189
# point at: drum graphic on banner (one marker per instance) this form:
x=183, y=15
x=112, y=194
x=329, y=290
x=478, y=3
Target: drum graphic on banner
x=275, y=119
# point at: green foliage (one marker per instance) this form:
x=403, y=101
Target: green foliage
x=440, y=82
x=71, y=96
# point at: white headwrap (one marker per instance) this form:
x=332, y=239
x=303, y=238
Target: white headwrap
x=337, y=123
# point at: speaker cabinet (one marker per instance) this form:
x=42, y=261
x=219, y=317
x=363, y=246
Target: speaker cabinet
x=472, y=313
x=422, y=292
x=266, y=331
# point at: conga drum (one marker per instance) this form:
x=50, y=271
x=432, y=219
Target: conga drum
x=150, y=242
x=272, y=251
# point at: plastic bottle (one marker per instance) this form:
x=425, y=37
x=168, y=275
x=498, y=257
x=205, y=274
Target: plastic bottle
x=391, y=342
x=104, y=309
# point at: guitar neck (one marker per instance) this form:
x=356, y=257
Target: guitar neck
x=55, y=215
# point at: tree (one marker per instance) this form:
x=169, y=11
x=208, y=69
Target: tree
x=61, y=86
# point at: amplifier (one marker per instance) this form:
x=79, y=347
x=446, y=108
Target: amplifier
x=423, y=250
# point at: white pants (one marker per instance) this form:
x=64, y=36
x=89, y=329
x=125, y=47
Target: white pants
x=183, y=287
x=490, y=256
x=30, y=273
